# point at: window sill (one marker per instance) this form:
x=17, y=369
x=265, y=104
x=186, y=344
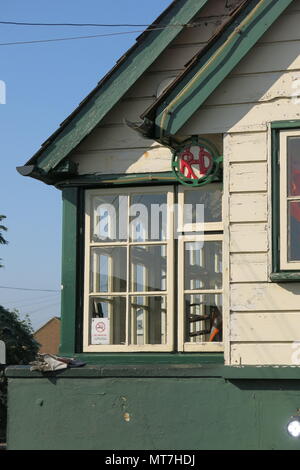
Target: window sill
x=124, y=359
x=285, y=276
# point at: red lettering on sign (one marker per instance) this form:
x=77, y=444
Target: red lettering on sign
x=189, y=163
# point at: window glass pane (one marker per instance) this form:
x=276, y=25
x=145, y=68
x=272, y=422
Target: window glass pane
x=148, y=320
x=148, y=268
x=210, y=196
x=203, y=318
x=108, y=269
x=108, y=320
x=203, y=265
x=294, y=231
x=293, y=163
x=110, y=218
x=148, y=217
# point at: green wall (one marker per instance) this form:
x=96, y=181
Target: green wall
x=138, y=407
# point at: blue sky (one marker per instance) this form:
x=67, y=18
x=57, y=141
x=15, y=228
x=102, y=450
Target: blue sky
x=44, y=83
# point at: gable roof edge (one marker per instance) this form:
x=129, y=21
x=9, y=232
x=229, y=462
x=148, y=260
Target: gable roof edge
x=124, y=74
x=207, y=70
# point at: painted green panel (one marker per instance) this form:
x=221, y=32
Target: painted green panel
x=285, y=124
x=154, y=413
x=94, y=110
x=69, y=270
x=285, y=276
x=152, y=358
x=216, y=64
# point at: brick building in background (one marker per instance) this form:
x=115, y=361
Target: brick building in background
x=48, y=336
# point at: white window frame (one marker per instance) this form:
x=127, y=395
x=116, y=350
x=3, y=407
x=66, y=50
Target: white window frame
x=168, y=293
x=184, y=346
x=284, y=199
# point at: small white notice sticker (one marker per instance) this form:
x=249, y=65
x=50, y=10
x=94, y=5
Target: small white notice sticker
x=100, y=331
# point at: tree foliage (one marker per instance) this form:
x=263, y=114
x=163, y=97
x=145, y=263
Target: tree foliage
x=21, y=348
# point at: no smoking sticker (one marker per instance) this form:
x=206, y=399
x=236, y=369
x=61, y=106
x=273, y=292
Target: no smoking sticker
x=100, y=331
x=100, y=327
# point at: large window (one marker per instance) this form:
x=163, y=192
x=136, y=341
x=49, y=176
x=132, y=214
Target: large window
x=290, y=200
x=286, y=202
x=153, y=269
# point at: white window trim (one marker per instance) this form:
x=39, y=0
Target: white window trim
x=169, y=243
x=170, y=288
x=284, y=198
x=197, y=346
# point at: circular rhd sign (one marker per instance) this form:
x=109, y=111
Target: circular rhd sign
x=193, y=161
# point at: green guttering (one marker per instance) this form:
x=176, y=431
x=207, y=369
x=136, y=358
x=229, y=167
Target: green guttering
x=277, y=274
x=212, y=67
x=112, y=88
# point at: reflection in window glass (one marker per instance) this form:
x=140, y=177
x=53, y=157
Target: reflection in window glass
x=293, y=166
x=211, y=197
x=108, y=269
x=109, y=221
x=148, y=215
x=294, y=231
x=148, y=320
x=108, y=320
x=203, y=265
x=203, y=318
x=148, y=268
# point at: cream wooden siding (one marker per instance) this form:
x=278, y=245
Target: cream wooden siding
x=113, y=147
x=264, y=317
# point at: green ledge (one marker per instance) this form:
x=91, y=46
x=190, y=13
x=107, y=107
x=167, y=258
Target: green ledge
x=230, y=373
x=139, y=370
x=124, y=359
x=285, y=277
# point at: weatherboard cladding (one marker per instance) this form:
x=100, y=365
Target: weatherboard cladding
x=112, y=87
x=263, y=315
x=90, y=113
x=113, y=147
x=66, y=138
x=213, y=65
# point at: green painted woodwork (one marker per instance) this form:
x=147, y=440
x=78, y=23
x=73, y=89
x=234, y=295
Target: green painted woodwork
x=275, y=201
x=188, y=369
x=212, y=174
x=96, y=106
x=285, y=276
x=110, y=180
x=292, y=124
x=277, y=274
x=150, y=358
x=174, y=408
x=214, y=65
x=69, y=270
